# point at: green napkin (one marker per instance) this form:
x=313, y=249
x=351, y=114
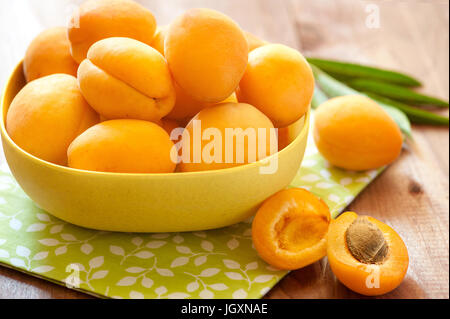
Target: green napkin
x=208, y=264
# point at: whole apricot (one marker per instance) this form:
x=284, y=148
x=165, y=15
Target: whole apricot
x=279, y=82
x=226, y=135
x=100, y=19
x=207, y=54
x=123, y=146
x=158, y=40
x=47, y=114
x=353, y=132
x=253, y=41
x=49, y=53
x=124, y=78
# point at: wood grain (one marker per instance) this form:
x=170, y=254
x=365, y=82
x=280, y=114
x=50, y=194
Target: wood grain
x=412, y=195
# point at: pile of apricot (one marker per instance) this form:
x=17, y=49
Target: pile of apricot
x=114, y=92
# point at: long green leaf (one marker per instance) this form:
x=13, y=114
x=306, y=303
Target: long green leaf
x=332, y=88
x=396, y=92
x=415, y=115
x=352, y=70
x=318, y=98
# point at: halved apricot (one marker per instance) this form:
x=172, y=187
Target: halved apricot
x=289, y=230
x=366, y=255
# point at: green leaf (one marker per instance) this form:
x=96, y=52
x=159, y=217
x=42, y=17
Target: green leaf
x=396, y=92
x=332, y=88
x=344, y=70
x=318, y=98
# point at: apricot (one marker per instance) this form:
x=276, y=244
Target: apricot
x=253, y=41
x=290, y=229
x=207, y=54
x=366, y=255
x=49, y=53
x=279, y=82
x=124, y=78
x=355, y=133
x=158, y=40
x=226, y=135
x=287, y=134
x=123, y=146
x=100, y=19
x=47, y=114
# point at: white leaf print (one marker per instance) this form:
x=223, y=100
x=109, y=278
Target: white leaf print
x=200, y=234
x=164, y=272
x=184, y=249
x=17, y=262
x=346, y=181
x=231, y=264
x=117, y=250
x=193, y=286
x=78, y=266
x=86, y=248
x=161, y=290
x=219, y=287
x=56, y=229
x=234, y=275
x=68, y=237
x=180, y=261
x=61, y=250
x=137, y=241
x=126, y=281
x=15, y=224
x=324, y=185
x=160, y=235
x=240, y=294
x=155, y=244
x=4, y=253
x=43, y=217
x=178, y=295
x=263, y=278
x=49, y=242
x=100, y=274
x=206, y=245
x=177, y=239
x=144, y=254
x=43, y=269
x=310, y=178
x=209, y=272
x=206, y=294
x=200, y=260
x=40, y=255
x=233, y=243
x=147, y=282
x=23, y=251
x=36, y=227
x=136, y=295
x=135, y=270
x=252, y=266
x=247, y=232
x=96, y=262
x=334, y=198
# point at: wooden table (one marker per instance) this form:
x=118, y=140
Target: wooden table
x=412, y=195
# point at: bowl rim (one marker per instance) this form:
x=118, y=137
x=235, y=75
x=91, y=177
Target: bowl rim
x=65, y=169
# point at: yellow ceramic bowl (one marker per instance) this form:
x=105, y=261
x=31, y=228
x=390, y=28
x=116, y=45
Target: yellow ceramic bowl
x=148, y=202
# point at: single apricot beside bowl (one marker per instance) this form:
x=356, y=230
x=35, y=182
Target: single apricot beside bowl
x=366, y=255
x=100, y=19
x=47, y=115
x=226, y=135
x=49, y=53
x=123, y=146
x=207, y=54
x=279, y=82
x=355, y=133
x=124, y=78
x=290, y=228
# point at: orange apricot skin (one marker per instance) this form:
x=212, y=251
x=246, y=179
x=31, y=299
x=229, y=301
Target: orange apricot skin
x=354, y=274
x=222, y=116
x=124, y=78
x=279, y=82
x=49, y=53
x=47, y=115
x=353, y=132
x=253, y=41
x=123, y=146
x=291, y=204
x=100, y=19
x=207, y=54
x=159, y=39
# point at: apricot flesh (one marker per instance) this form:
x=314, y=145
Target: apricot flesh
x=47, y=115
x=355, y=133
x=124, y=78
x=100, y=19
x=49, y=53
x=207, y=54
x=123, y=146
x=220, y=118
x=279, y=82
